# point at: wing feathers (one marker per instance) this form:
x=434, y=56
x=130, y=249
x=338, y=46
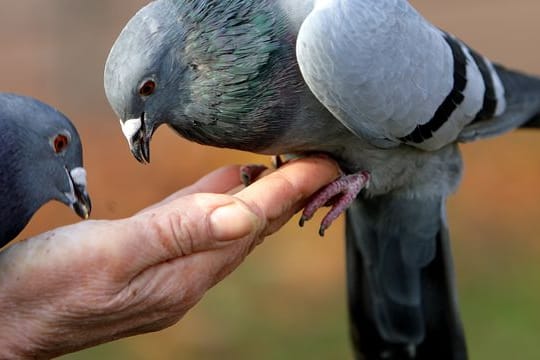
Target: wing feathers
x=400, y=80
x=425, y=131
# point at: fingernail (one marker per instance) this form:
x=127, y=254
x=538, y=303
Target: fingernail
x=231, y=222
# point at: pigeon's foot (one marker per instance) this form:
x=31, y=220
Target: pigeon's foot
x=250, y=173
x=340, y=194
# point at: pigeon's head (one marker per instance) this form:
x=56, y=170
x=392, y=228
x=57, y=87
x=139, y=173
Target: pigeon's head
x=220, y=73
x=144, y=74
x=42, y=156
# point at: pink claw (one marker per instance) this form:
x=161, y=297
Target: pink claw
x=344, y=190
x=250, y=173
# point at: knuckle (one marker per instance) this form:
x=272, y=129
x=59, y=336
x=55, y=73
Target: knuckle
x=174, y=231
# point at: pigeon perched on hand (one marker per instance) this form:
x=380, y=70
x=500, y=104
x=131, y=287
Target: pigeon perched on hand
x=40, y=160
x=372, y=84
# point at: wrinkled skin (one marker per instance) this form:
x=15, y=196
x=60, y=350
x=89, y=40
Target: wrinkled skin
x=97, y=281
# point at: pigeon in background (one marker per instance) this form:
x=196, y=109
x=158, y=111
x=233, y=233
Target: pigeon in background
x=40, y=160
x=372, y=84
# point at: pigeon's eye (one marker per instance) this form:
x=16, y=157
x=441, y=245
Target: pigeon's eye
x=60, y=143
x=147, y=88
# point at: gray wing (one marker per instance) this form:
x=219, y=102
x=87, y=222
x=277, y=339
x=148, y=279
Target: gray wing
x=522, y=96
x=392, y=77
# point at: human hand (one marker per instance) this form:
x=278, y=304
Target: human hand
x=97, y=281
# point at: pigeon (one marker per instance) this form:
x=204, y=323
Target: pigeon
x=40, y=160
x=369, y=83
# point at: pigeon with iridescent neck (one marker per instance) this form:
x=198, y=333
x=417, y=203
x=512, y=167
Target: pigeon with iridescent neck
x=370, y=83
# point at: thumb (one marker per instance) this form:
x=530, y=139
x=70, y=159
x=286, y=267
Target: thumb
x=192, y=224
x=204, y=222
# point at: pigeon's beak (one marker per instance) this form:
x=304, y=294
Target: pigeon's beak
x=138, y=138
x=81, y=203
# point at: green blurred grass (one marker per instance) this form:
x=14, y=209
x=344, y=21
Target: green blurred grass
x=500, y=306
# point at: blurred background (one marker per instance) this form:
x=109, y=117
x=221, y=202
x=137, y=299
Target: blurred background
x=288, y=300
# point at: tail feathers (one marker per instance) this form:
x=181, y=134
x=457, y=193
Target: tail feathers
x=533, y=123
x=522, y=95
x=400, y=280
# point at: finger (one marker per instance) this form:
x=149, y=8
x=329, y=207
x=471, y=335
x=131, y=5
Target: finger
x=281, y=194
x=219, y=181
x=204, y=222
x=174, y=228
x=185, y=280
x=181, y=228
x=275, y=199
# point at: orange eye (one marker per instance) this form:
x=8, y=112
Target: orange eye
x=60, y=143
x=147, y=88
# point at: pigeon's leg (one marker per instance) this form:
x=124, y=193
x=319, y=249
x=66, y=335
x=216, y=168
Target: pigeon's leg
x=250, y=173
x=340, y=193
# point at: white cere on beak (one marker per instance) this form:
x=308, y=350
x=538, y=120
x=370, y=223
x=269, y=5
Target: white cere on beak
x=130, y=128
x=71, y=194
x=79, y=176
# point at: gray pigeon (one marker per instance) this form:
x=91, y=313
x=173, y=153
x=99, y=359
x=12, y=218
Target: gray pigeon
x=40, y=160
x=369, y=82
